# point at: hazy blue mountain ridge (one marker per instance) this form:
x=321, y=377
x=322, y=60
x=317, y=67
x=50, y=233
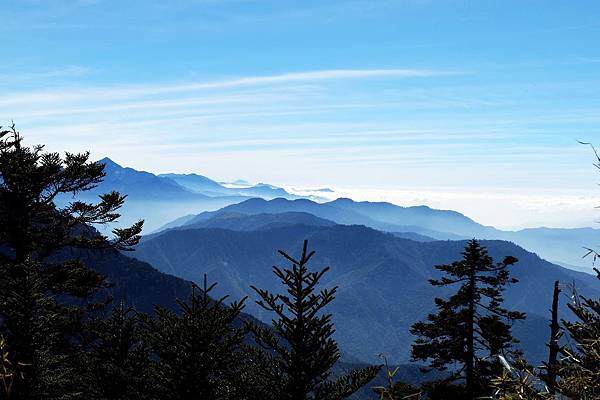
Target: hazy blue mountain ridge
x=382, y=279
x=163, y=199
x=157, y=200
x=206, y=186
x=195, y=182
x=565, y=246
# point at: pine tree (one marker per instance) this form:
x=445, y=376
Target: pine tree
x=38, y=320
x=580, y=370
x=199, y=349
x=121, y=368
x=470, y=327
x=301, y=340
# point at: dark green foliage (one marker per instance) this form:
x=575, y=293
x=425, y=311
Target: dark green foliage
x=580, y=372
x=471, y=327
x=41, y=331
x=198, y=350
x=301, y=343
x=35, y=326
x=32, y=225
x=119, y=360
x=256, y=374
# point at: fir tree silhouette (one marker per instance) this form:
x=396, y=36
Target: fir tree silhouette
x=301, y=341
x=198, y=349
x=120, y=367
x=37, y=319
x=471, y=327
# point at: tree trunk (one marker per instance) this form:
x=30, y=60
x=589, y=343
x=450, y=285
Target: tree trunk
x=470, y=356
x=553, y=344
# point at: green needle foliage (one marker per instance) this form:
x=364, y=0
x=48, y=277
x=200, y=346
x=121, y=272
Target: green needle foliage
x=580, y=370
x=40, y=328
x=199, y=349
x=580, y=373
x=471, y=327
x=120, y=362
x=301, y=343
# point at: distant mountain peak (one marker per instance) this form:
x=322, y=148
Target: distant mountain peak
x=258, y=200
x=343, y=200
x=237, y=182
x=260, y=184
x=190, y=177
x=109, y=163
x=346, y=200
x=283, y=200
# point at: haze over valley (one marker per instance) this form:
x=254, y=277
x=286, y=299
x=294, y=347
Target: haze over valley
x=315, y=200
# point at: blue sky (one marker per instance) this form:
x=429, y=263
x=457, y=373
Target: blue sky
x=470, y=105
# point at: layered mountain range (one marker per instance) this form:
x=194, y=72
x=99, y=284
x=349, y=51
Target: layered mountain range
x=562, y=246
x=172, y=200
x=162, y=198
x=381, y=255
x=382, y=279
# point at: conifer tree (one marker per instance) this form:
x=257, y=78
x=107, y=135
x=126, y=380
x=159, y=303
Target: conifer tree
x=198, y=349
x=301, y=340
x=579, y=373
x=580, y=370
x=35, y=234
x=470, y=327
x=120, y=363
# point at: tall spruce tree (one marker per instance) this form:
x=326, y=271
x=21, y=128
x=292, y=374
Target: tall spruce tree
x=471, y=326
x=198, y=349
x=37, y=320
x=300, y=342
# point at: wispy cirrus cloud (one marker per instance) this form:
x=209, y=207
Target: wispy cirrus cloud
x=328, y=75
x=376, y=128
x=69, y=71
x=127, y=91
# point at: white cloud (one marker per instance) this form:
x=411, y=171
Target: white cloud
x=505, y=209
x=325, y=75
x=306, y=129
x=129, y=91
x=69, y=71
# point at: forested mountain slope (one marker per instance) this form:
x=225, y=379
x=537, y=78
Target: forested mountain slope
x=382, y=278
